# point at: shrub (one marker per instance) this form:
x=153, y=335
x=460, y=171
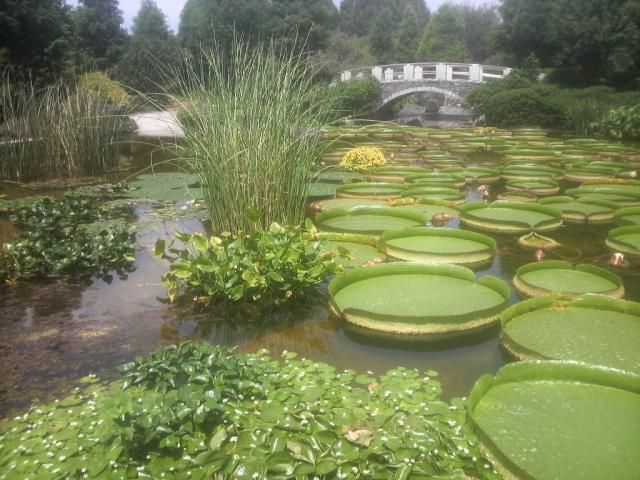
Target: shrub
x=358, y=98
x=253, y=121
x=269, y=266
x=621, y=123
x=101, y=85
x=524, y=106
x=363, y=159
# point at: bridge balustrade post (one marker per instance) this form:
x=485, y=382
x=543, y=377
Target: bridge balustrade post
x=441, y=71
x=506, y=71
x=475, y=73
x=388, y=75
x=376, y=72
x=345, y=76
x=417, y=73
x=407, y=73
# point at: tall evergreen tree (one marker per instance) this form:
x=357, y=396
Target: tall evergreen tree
x=151, y=52
x=35, y=37
x=307, y=23
x=408, y=38
x=98, y=27
x=442, y=39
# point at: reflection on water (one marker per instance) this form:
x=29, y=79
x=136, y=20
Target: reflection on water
x=54, y=332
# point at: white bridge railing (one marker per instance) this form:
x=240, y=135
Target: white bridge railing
x=471, y=72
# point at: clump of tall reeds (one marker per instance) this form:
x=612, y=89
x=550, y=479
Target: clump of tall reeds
x=56, y=131
x=582, y=115
x=253, y=119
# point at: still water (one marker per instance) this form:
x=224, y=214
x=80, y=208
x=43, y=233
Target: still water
x=56, y=331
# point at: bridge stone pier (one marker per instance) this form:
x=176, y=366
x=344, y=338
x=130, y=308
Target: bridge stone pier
x=445, y=84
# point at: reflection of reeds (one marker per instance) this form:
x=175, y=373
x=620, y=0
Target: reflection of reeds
x=57, y=131
x=252, y=121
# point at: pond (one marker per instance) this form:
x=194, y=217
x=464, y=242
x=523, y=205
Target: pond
x=52, y=332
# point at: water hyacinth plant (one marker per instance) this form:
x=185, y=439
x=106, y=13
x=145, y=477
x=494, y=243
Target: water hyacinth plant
x=253, y=119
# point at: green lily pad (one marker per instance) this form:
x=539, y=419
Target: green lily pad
x=370, y=190
x=582, y=210
x=356, y=253
x=345, y=204
x=625, y=240
x=556, y=276
x=593, y=329
x=534, y=186
x=510, y=217
x=439, y=246
x=412, y=298
x=559, y=421
x=628, y=216
x=367, y=220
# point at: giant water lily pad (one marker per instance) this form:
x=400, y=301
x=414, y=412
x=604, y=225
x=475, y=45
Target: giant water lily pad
x=379, y=191
x=427, y=206
x=589, y=173
x=510, y=217
x=511, y=172
x=557, y=276
x=582, y=210
x=439, y=246
x=345, y=204
x=624, y=192
x=435, y=193
x=559, y=421
x=628, y=216
x=353, y=254
x=593, y=329
x=394, y=174
x=533, y=186
x=446, y=180
x=367, y=220
x=625, y=240
x=412, y=298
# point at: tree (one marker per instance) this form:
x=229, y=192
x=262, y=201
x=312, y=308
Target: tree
x=381, y=36
x=591, y=41
x=98, y=26
x=408, y=37
x=302, y=23
x=35, y=37
x=442, y=39
x=205, y=22
x=480, y=26
x=151, y=52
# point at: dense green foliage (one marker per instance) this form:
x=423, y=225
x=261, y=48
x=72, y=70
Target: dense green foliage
x=621, y=123
x=268, y=267
x=442, y=40
x=100, y=85
x=198, y=411
x=58, y=242
x=357, y=98
x=590, y=41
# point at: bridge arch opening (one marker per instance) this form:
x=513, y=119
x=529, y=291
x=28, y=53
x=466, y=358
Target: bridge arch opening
x=446, y=97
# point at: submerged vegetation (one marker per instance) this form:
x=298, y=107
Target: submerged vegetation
x=199, y=411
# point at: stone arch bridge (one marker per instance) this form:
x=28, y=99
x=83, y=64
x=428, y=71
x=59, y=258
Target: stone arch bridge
x=437, y=84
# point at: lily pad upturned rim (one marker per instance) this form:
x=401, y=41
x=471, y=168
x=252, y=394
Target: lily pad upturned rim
x=525, y=241
x=623, y=212
x=544, y=186
x=578, y=216
x=386, y=211
x=560, y=301
x=528, y=290
x=350, y=190
x=510, y=226
x=621, y=246
x=403, y=325
x=469, y=259
x=540, y=371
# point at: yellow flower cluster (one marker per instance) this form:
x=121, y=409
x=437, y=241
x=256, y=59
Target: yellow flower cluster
x=484, y=130
x=363, y=159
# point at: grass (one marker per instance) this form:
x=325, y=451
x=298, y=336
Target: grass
x=253, y=120
x=57, y=131
x=583, y=114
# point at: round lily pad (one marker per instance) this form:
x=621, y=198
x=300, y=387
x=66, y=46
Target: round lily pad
x=557, y=276
x=510, y=217
x=395, y=174
x=534, y=186
x=437, y=180
x=535, y=241
x=592, y=328
x=427, y=206
x=352, y=254
x=370, y=190
x=589, y=173
x=626, y=193
x=368, y=220
x=511, y=172
x=517, y=197
x=558, y=420
x=481, y=175
x=439, y=246
x=625, y=240
x=412, y=298
x=436, y=193
x=582, y=210
x=628, y=216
